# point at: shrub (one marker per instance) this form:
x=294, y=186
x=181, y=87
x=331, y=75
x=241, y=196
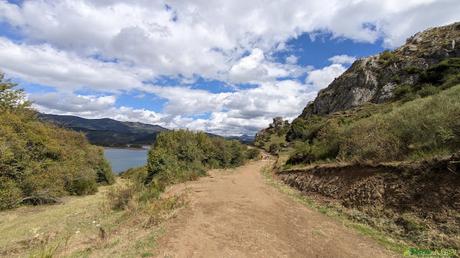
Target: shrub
x=122, y=197
x=302, y=154
x=136, y=174
x=413, y=70
x=428, y=90
x=40, y=162
x=10, y=193
x=415, y=129
x=445, y=74
x=387, y=57
x=253, y=153
x=103, y=169
x=402, y=91
x=82, y=186
x=274, y=148
x=182, y=155
x=369, y=139
x=305, y=130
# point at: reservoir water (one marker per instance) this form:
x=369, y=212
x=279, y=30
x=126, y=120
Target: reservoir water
x=123, y=159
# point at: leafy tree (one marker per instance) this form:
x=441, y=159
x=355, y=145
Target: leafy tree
x=11, y=98
x=40, y=162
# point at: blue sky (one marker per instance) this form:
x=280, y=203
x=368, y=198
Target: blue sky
x=189, y=64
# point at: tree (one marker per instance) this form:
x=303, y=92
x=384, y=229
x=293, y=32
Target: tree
x=10, y=98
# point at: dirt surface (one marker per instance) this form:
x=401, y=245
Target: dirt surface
x=236, y=214
x=418, y=200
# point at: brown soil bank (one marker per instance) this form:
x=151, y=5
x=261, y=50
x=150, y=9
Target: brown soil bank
x=420, y=202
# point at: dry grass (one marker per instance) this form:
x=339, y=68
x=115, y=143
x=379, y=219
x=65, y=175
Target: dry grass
x=84, y=227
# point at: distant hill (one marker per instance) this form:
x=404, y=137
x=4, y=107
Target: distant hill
x=247, y=139
x=108, y=132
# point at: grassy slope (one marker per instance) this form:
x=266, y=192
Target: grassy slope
x=413, y=130
x=73, y=229
x=416, y=130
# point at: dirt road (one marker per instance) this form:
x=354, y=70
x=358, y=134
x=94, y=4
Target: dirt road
x=236, y=214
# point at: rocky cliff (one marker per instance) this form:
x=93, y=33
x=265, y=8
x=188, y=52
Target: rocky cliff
x=374, y=79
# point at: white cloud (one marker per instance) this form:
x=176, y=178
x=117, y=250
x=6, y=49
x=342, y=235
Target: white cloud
x=43, y=64
x=199, y=37
x=291, y=59
x=114, y=46
x=91, y=107
x=342, y=59
x=72, y=103
x=321, y=78
x=186, y=101
x=244, y=111
x=231, y=113
x=249, y=68
x=256, y=68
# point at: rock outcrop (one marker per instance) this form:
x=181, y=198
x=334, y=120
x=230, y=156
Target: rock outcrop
x=373, y=79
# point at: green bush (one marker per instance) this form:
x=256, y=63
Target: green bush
x=305, y=129
x=253, y=153
x=82, y=186
x=302, y=154
x=445, y=72
x=121, y=197
x=403, y=91
x=418, y=128
x=370, y=139
x=10, y=193
x=274, y=148
x=424, y=127
x=136, y=174
x=387, y=58
x=40, y=161
x=183, y=155
x=428, y=90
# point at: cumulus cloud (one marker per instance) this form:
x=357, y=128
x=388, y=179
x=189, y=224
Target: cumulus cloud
x=231, y=113
x=72, y=103
x=256, y=68
x=202, y=37
x=44, y=64
x=244, y=111
x=342, y=59
x=291, y=59
x=321, y=78
x=92, y=107
x=112, y=47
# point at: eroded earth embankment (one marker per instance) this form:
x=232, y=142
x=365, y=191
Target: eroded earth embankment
x=418, y=201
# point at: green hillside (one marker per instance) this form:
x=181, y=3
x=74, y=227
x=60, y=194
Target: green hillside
x=107, y=132
x=40, y=162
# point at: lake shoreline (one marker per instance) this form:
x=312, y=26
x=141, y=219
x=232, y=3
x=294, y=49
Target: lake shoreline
x=122, y=159
x=125, y=148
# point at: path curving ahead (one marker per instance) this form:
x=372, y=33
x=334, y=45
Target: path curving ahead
x=236, y=214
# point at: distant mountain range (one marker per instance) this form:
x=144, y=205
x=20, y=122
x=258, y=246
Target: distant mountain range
x=247, y=139
x=108, y=132
x=112, y=133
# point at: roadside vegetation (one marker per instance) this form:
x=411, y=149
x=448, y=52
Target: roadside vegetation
x=392, y=167
x=417, y=129
x=40, y=162
x=404, y=130
x=418, y=123
x=175, y=157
